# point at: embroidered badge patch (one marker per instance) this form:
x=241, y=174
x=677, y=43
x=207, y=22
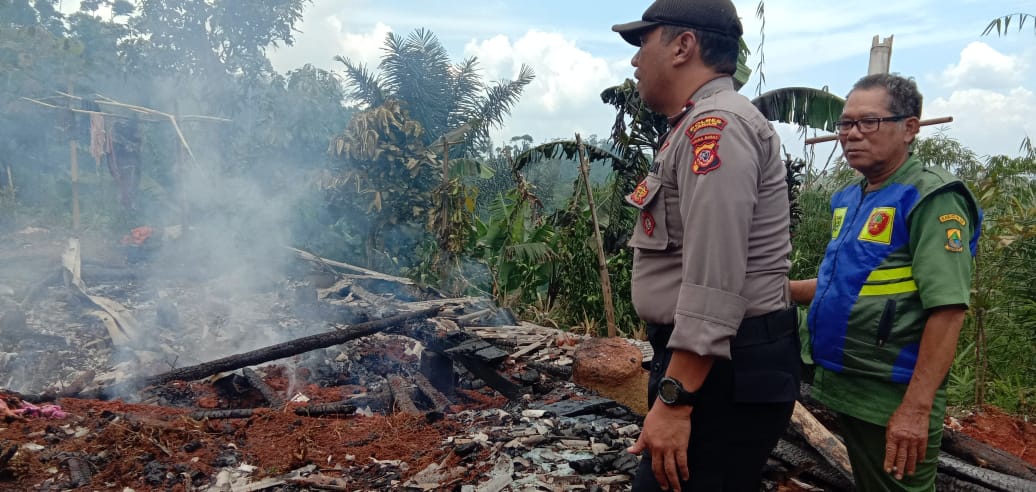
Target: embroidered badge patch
x=878, y=228
x=648, y=221
x=837, y=220
x=640, y=193
x=706, y=153
x=706, y=122
x=949, y=217
x=953, y=241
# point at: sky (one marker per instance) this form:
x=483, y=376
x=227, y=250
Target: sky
x=986, y=83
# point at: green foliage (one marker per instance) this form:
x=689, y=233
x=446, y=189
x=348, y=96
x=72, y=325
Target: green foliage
x=803, y=106
x=1001, y=24
x=412, y=151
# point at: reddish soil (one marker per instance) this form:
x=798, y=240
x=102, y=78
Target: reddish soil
x=1011, y=434
x=126, y=443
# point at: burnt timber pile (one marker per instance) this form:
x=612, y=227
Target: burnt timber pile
x=130, y=376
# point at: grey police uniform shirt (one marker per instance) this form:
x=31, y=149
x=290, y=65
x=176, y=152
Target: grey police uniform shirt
x=712, y=242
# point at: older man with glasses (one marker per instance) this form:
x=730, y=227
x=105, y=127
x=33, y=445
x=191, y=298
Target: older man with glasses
x=892, y=291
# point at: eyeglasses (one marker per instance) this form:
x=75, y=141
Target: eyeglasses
x=866, y=125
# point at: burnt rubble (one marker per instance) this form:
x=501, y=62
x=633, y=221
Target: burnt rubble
x=332, y=378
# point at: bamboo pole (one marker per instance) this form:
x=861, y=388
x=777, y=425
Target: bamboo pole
x=73, y=156
x=928, y=122
x=602, y=263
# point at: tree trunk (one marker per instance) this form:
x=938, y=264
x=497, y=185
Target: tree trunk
x=602, y=262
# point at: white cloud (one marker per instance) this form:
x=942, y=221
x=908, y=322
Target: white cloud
x=325, y=32
x=565, y=95
x=989, y=122
x=981, y=66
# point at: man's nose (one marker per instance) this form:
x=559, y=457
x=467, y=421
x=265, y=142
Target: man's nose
x=636, y=59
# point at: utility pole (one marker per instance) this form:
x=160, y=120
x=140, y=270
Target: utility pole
x=881, y=55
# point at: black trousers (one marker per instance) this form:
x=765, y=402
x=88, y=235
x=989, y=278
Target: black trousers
x=744, y=406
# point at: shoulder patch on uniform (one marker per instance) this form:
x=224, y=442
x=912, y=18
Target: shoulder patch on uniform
x=949, y=217
x=706, y=153
x=953, y=241
x=878, y=228
x=837, y=219
x=648, y=221
x=640, y=193
x=706, y=122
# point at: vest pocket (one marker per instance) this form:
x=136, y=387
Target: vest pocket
x=886, y=321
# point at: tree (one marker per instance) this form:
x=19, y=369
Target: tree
x=423, y=124
x=440, y=96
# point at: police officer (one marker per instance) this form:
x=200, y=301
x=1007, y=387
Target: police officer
x=710, y=259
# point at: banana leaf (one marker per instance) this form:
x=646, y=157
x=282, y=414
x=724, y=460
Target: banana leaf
x=803, y=106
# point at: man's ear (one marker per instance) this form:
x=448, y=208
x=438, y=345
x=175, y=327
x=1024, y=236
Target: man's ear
x=913, y=127
x=685, y=47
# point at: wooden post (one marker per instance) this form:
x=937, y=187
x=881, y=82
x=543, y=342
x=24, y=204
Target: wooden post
x=881, y=56
x=73, y=156
x=602, y=264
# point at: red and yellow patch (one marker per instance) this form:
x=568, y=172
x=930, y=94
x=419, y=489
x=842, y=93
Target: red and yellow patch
x=706, y=122
x=706, y=153
x=954, y=244
x=640, y=193
x=878, y=228
x=648, y=221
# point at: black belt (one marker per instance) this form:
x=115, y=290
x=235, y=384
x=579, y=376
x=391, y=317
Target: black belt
x=753, y=331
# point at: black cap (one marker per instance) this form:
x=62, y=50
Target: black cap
x=715, y=16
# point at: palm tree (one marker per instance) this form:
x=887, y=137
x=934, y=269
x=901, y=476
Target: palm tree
x=422, y=124
x=440, y=96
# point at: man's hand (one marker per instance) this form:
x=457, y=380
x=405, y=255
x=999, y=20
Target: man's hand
x=906, y=440
x=666, y=432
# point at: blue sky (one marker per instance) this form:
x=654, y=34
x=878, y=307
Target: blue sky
x=988, y=84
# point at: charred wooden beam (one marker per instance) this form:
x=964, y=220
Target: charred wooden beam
x=259, y=356
x=401, y=395
x=264, y=389
x=439, y=401
x=303, y=411
x=496, y=381
x=989, y=479
x=321, y=410
x=983, y=455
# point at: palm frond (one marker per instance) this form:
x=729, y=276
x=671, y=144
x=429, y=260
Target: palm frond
x=417, y=71
x=528, y=252
x=1001, y=24
x=466, y=88
x=803, y=106
x=496, y=104
x=364, y=86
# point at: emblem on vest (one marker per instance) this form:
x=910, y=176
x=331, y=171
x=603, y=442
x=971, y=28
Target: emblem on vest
x=953, y=241
x=640, y=193
x=837, y=220
x=878, y=228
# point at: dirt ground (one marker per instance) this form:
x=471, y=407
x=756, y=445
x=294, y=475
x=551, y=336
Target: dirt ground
x=109, y=445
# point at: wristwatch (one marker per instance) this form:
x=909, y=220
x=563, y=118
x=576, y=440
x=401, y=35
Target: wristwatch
x=671, y=392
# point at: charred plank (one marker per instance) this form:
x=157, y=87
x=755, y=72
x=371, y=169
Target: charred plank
x=264, y=389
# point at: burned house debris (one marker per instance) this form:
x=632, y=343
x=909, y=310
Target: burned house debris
x=334, y=378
